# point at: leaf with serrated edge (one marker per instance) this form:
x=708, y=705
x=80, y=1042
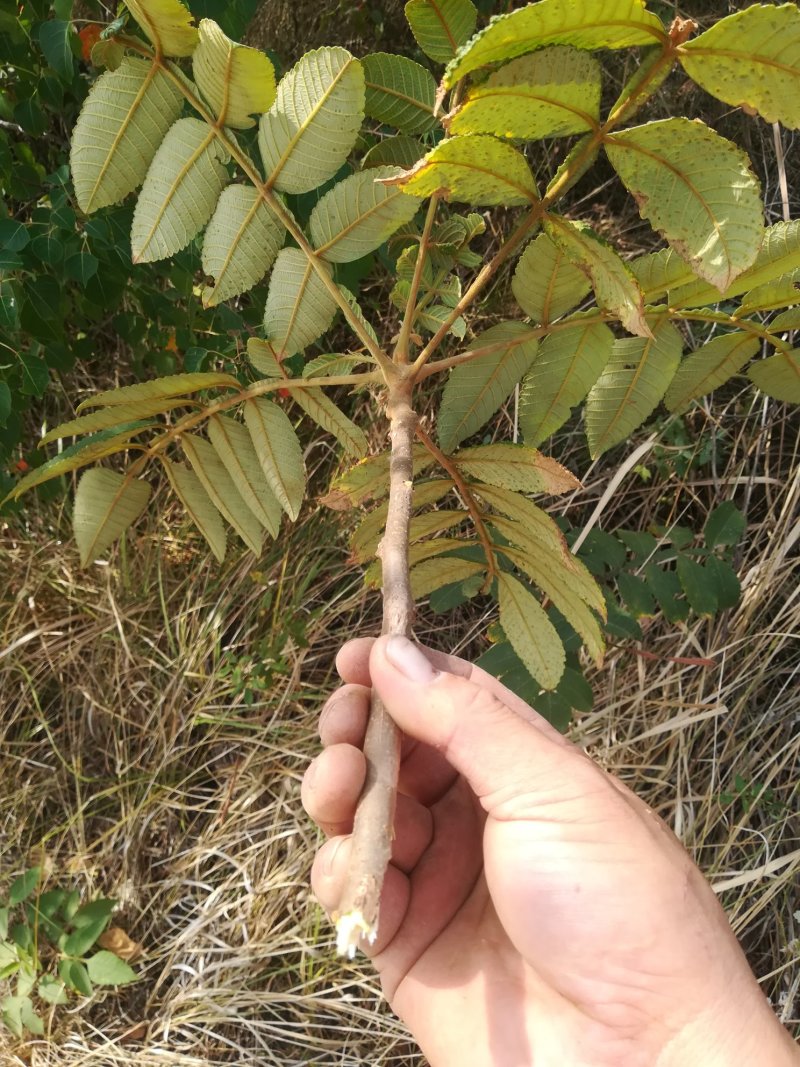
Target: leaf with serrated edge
x=240, y=244
x=179, y=194
x=278, y=452
x=614, y=285
x=123, y=121
x=474, y=169
x=107, y=418
x=433, y=574
x=106, y=504
x=751, y=59
x=399, y=92
x=590, y=24
x=333, y=363
x=477, y=389
x=167, y=23
x=310, y=129
x=169, y=386
x=529, y=631
x=441, y=27
x=658, y=272
x=516, y=467
x=551, y=93
x=566, y=367
x=778, y=376
x=299, y=306
x=398, y=151
x=358, y=214
x=331, y=418
x=678, y=171
x=222, y=491
x=529, y=515
x=189, y=490
x=781, y=293
x=545, y=283
x=709, y=367
x=633, y=382
x=418, y=552
x=235, y=448
x=238, y=82
x=262, y=355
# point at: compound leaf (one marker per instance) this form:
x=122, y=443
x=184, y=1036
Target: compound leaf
x=709, y=367
x=300, y=307
x=125, y=118
x=106, y=504
x=529, y=631
x=222, y=490
x=516, y=467
x=278, y=452
x=527, y=515
x=110, y=417
x=169, y=386
x=545, y=283
x=189, y=490
x=331, y=418
x=433, y=574
x=237, y=81
x=399, y=92
x=241, y=243
x=167, y=23
x=778, y=376
x=441, y=27
x=234, y=447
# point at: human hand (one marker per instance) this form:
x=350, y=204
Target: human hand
x=535, y=910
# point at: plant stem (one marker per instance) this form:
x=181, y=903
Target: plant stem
x=373, y=830
x=401, y=348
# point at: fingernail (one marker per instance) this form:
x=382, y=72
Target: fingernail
x=409, y=660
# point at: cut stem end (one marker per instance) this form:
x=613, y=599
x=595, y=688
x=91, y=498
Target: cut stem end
x=350, y=929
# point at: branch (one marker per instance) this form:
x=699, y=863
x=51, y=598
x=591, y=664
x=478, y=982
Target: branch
x=401, y=348
x=373, y=830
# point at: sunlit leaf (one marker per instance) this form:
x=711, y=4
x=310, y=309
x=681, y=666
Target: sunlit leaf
x=241, y=243
x=545, y=282
x=399, y=92
x=709, y=367
x=778, y=376
x=534, y=519
x=189, y=490
x=529, y=631
x=300, y=307
x=171, y=385
x=106, y=504
x=516, y=467
x=441, y=27
x=331, y=418
x=369, y=480
x=109, y=417
x=235, y=448
x=167, y=23
x=278, y=452
x=778, y=294
x=107, y=969
x=222, y=490
x=238, y=82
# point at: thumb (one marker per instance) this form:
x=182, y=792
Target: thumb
x=501, y=754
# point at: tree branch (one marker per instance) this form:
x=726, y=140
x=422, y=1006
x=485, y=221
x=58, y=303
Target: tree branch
x=401, y=348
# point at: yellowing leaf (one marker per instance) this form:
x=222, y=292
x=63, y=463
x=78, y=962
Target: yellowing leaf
x=237, y=82
x=179, y=193
x=613, y=282
x=709, y=367
x=477, y=389
x=189, y=490
x=529, y=516
x=369, y=480
x=399, y=92
x=751, y=59
x=778, y=376
x=566, y=367
x=516, y=467
x=123, y=121
x=235, y=448
x=240, y=244
x=633, y=382
x=106, y=504
x=366, y=536
x=169, y=386
x=222, y=492
x=529, y=631
x=676, y=169
x=300, y=308
x=441, y=27
x=433, y=574
x=550, y=93
x=358, y=214
x=474, y=169
x=417, y=553
x=167, y=23
x=331, y=418
x=545, y=282
x=313, y=124
x=278, y=452
x=589, y=24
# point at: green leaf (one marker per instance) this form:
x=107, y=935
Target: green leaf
x=54, y=38
x=659, y=272
x=235, y=448
x=18, y=1015
x=52, y=990
x=588, y=25
x=189, y=490
x=331, y=418
x=633, y=382
x=106, y=504
x=366, y=537
x=34, y=373
x=262, y=355
x=529, y=631
x=397, y=151
x=751, y=59
x=5, y=403
x=474, y=169
x=222, y=490
x=125, y=118
x=635, y=593
x=107, y=969
x=709, y=367
x=399, y=92
x=666, y=588
x=170, y=385
x=369, y=480
x=435, y=573
x=724, y=526
x=22, y=887
x=300, y=308
x=278, y=452
x=545, y=283
x=725, y=581
x=180, y=191
x=74, y=974
x=778, y=376
x=14, y=235
x=551, y=93
x=237, y=81
x=781, y=293
x=516, y=467
x=441, y=27
x=105, y=418
x=698, y=586
x=615, y=287
x=536, y=522
x=168, y=25
x=358, y=214
x=477, y=389
x=9, y=304
x=3, y=926
x=332, y=363
x=675, y=169
x=417, y=553
x=308, y=133
x=81, y=266
x=787, y=320
x=240, y=244
x=566, y=367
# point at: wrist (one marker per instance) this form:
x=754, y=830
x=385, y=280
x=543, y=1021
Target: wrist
x=734, y=1033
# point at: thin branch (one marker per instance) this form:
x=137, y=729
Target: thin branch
x=373, y=830
x=401, y=348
